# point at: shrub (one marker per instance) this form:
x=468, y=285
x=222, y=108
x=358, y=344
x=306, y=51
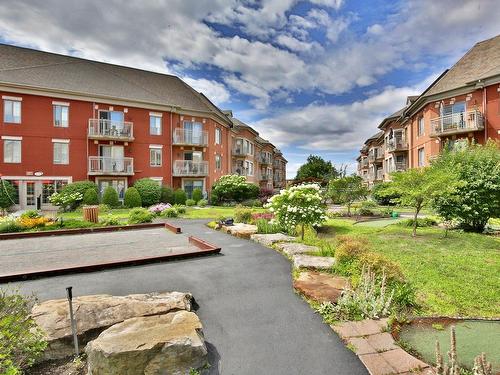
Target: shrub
x=366, y=208
x=265, y=193
x=167, y=195
x=262, y=215
x=132, y=198
x=109, y=220
x=149, y=190
x=139, y=215
x=159, y=208
x=380, y=265
x=76, y=190
x=349, y=249
x=21, y=340
x=170, y=212
x=29, y=223
x=90, y=197
x=180, y=209
x=190, y=202
x=30, y=214
x=180, y=196
x=110, y=197
x=265, y=227
x=380, y=194
x=421, y=222
x=8, y=194
x=252, y=203
x=233, y=188
x=104, y=208
x=202, y=202
x=242, y=214
x=66, y=201
x=10, y=226
x=298, y=205
x=197, y=195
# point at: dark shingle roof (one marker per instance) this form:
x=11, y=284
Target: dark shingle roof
x=480, y=62
x=28, y=67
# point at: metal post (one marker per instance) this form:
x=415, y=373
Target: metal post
x=69, y=292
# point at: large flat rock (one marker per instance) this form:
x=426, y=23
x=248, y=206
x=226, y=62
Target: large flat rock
x=97, y=312
x=170, y=344
x=320, y=287
x=270, y=239
x=312, y=262
x=240, y=230
x=292, y=248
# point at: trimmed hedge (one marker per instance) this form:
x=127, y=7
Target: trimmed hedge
x=110, y=197
x=132, y=198
x=90, y=197
x=180, y=197
x=167, y=195
x=149, y=190
x=197, y=195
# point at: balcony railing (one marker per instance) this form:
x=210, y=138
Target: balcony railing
x=265, y=159
x=265, y=177
x=375, y=154
x=380, y=175
x=242, y=171
x=102, y=165
x=456, y=123
x=363, y=163
x=190, y=168
x=191, y=138
x=397, y=144
x=110, y=129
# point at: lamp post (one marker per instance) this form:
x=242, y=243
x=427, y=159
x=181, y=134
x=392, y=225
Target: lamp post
x=69, y=293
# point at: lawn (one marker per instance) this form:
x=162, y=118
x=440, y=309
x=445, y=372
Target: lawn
x=456, y=275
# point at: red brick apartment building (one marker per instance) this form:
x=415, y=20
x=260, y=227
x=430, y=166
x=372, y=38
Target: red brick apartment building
x=66, y=119
x=463, y=103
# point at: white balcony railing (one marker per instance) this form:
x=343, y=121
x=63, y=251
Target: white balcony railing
x=265, y=176
x=380, y=175
x=375, y=153
x=455, y=123
x=397, y=144
x=109, y=129
x=188, y=137
x=265, y=159
x=242, y=171
x=110, y=166
x=190, y=168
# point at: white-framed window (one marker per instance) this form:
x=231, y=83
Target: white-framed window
x=12, y=111
x=61, y=115
x=61, y=152
x=11, y=150
x=159, y=180
x=421, y=126
x=155, y=124
x=218, y=162
x=421, y=157
x=249, y=167
x=218, y=136
x=155, y=156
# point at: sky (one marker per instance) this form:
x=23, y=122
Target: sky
x=313, y=77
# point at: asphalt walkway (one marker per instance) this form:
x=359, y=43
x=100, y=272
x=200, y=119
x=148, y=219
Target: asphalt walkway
x=253, y=321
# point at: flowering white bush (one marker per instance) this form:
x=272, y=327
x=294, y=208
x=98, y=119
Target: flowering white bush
x=298, y=205
x=65, y=200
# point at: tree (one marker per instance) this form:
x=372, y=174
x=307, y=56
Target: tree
x=477, y=197
x=418, y=187
x=233, y=188
x=8, y=195
x=110, y=197
x=298, y=205
x=316, y=167
x=149, y=190
x=132, y=198
x=347, y=190
x=379, y=194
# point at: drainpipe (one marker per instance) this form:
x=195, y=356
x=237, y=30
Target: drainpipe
x=485, y=108
x=171, y=151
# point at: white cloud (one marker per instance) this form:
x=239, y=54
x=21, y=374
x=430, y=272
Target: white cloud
x=215, y=91
x=330, y=3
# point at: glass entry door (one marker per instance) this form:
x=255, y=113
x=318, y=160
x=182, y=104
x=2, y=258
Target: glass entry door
x=190, y=185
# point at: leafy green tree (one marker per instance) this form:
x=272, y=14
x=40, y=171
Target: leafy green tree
x=477, y=197
x=110, y=197
x=76, y=190
x=418, y=187
x=8, y=195
x=379, y=194
x=347, y=190
x=233, y=188
x=90, y=197
x=316, y=167
x=149, y=190
x=197, y=195
x=132, y=198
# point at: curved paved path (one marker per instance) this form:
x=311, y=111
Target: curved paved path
x=253, y=321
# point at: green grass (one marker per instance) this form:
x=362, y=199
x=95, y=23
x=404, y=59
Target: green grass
x=119, y=213
x=212, y=212
x=455, y=275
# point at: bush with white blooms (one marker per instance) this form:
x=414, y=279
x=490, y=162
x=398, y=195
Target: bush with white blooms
x=298, y=205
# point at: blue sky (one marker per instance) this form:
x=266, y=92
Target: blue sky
x=312, y=76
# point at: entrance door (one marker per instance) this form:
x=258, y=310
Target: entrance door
x=30, y=196
x=117, y=184
x=190, y=185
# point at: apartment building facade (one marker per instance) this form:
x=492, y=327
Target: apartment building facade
x=463, y=103
x=66, y=119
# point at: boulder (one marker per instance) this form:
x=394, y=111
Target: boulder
x=270, y=239
x=292, y=248
x=320, y=287
x=97, y=312
x=240, y=230
x=312, y=262
x=155, y=345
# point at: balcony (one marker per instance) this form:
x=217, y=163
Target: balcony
x=265, y=159
x=456, y=123
x=110, y=129
x=265, y=177
x=183, y=137
x=184, y=168
x=397, y=144
x=102, y=165
x=363, y=163
x=376, y=155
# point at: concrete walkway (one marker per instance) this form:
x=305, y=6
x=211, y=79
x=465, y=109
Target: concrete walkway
x=253, y=321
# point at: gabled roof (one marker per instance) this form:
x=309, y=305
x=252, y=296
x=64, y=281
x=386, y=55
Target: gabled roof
x=480, y=62
x=375, y=137
x=53, y=72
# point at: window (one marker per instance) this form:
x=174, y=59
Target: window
x=421, y=126
x=190, y=185
x=12, y=111
x=61, y=152
x=421, y=157
x=218, y=136
x=249, y=167
x=218, y=162
x=155, y=125
x=61, y=116
x=11, y=151
x=155, y=157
